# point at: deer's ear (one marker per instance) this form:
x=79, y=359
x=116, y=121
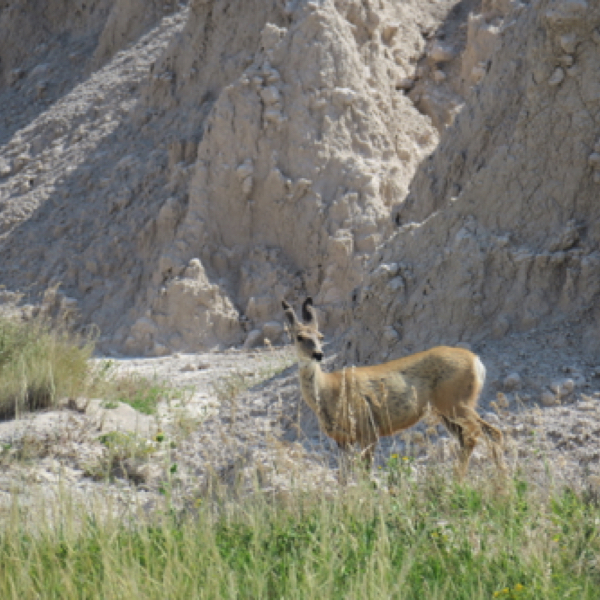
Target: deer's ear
x=309, y=314
x=289, y=313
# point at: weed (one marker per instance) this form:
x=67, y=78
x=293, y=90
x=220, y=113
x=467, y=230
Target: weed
x=124, y=453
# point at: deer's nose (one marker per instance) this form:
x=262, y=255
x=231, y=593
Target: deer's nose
x=318, y=356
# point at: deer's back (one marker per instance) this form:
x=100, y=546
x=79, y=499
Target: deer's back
x=399, y=391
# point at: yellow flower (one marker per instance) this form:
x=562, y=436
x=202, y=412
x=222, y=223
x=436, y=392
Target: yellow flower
x=519, y=587
x=556, y=538
x=394, y=456
x=405, y=458
x=198, y=502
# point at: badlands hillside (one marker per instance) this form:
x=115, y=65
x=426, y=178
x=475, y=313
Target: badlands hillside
x=178, y=168
x=427, y=170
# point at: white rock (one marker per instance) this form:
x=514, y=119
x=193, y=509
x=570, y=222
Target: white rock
x=557, y=77
x=562, y=387
x=478, y=73
x=441, y=53
x=594, y=159
x=549, y=399
x=389, y=31
x=568, y=42
x=270, y=95
x=390, y=335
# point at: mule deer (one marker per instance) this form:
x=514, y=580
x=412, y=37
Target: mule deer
x=361, y=404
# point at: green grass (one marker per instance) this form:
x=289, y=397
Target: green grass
x=39, y=365
x=432, y=539
x=140, y=392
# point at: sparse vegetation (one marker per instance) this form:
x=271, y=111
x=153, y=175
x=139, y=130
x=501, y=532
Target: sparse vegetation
x=431, y=538
x=238, y=381
x=142, y=393
x=39, y=364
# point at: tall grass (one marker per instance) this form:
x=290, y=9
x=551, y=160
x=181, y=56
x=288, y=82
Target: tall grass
x=38, y=365
x=426, y=539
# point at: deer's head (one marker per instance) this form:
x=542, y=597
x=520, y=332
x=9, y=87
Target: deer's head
x=306, y=336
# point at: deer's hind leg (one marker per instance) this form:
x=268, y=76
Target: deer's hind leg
x=466, y=431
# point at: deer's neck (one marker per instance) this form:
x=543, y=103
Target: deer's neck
x=312, y=384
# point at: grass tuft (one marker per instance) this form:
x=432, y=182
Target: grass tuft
x=39, y=365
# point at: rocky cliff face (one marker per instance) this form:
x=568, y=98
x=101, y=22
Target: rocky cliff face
x=500, y=231
x=178, y=168
x=178, y=183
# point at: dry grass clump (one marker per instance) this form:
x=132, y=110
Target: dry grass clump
x=39, y=364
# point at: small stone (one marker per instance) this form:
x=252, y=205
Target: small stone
x=568, y=42
x=441, y=53
x=20, y=162
x=478, y=73
x=549, y=399
x=187, y=368
x=562, y=387
x=512, y=382
x=389, y=31
x=557, y=77
x=390, y=335
x=406, y=84
x=439, y=76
